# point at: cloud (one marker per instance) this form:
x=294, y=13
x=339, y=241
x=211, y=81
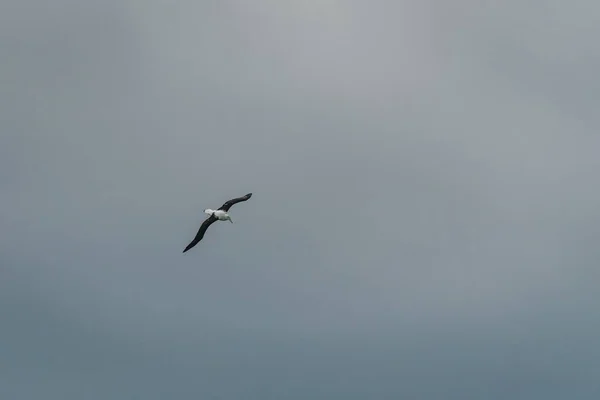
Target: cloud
x=423, y=214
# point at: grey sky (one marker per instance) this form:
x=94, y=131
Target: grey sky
x=425, y=208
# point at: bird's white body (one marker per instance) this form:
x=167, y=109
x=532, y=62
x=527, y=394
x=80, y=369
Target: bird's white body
x=219, y=214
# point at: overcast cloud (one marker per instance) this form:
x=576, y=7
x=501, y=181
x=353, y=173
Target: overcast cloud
x=425, y=214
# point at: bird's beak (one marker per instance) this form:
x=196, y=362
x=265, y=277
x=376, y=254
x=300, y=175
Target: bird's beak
x=230, y=220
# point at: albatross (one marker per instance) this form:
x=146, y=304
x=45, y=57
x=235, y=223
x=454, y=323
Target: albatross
x=221, y=214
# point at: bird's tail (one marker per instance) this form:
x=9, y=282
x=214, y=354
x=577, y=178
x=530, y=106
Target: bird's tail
x=209, y=211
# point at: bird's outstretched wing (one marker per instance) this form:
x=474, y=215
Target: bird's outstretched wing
x=227, y=205
x=207, y=222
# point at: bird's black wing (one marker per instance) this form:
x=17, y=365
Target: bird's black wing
x=227, y=205
x=207, y=222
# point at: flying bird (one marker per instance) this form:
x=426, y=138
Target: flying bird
x=221, y=215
